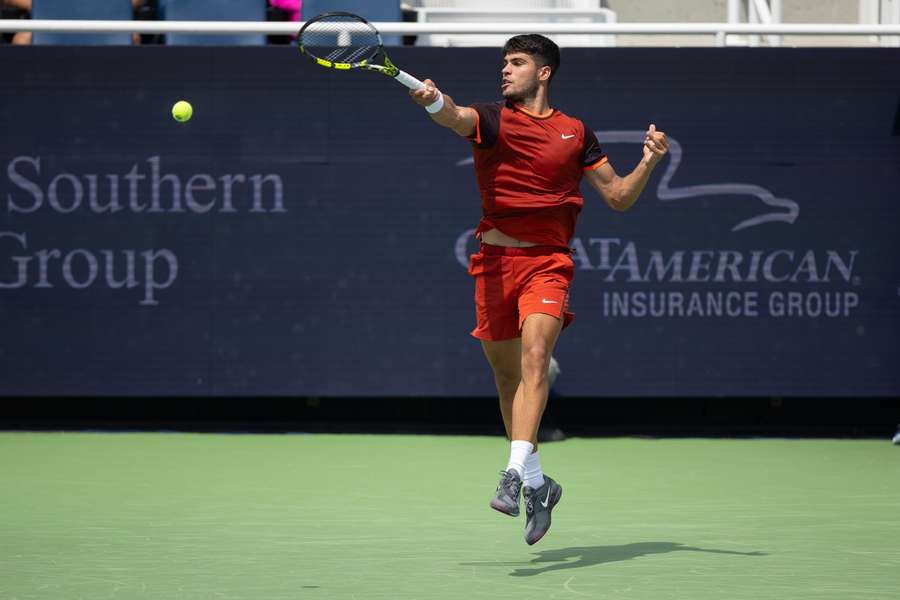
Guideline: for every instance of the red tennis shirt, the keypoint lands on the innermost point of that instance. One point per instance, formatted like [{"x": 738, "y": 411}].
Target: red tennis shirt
[{"x": 529, "y": 169}]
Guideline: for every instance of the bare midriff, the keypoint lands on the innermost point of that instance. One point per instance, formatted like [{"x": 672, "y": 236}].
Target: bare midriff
[{"x": 495, "y": 237}]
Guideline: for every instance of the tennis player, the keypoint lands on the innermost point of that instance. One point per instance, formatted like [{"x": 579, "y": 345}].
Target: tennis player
[{"x": 529, "y": 161}]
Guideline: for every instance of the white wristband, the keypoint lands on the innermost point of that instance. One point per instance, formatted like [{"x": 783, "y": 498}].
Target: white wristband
[{"x": 437, "y": 105}]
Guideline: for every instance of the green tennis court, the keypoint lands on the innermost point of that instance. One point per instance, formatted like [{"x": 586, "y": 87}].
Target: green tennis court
[{"x": 265, "y": 517}]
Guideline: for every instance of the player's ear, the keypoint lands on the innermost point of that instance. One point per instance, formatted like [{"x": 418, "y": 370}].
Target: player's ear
[{"x": 544, "y": 73}]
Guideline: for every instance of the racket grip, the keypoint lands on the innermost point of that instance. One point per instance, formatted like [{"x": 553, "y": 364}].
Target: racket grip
[
  {"x": 414, "y": 84},
  {"x": 409, "y": 81}
]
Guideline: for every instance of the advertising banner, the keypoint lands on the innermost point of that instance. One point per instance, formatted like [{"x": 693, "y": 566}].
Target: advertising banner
[{"x": 307, "y": 232}]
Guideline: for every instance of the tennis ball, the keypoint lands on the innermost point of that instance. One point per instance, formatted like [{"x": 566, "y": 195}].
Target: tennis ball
[{"x": 182, "y": 111}]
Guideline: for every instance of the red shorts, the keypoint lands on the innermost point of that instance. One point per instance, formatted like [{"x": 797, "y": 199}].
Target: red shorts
[{"x": 512, "y": 283}]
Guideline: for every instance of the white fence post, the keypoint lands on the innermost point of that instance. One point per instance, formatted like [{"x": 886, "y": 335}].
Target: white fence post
[
  {"x": 775, "y": 9},
  {"x": 753, "y": 17},
  {"x": 734, "y": 17},
  {"x": 758, "y": 12},
  {"x": 890, "y": 15}
]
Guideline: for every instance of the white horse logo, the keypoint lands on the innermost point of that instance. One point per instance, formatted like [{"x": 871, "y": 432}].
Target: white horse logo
[{"x": 787, "y": 212}]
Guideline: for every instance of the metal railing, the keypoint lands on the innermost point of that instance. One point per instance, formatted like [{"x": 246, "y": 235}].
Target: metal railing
[
  {"x": 719, "y": 30},
  {"x": 511, "y": 16}
]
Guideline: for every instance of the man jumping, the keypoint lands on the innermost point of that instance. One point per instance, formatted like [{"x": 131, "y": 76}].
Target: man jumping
[{"x": 529, "y": 161}]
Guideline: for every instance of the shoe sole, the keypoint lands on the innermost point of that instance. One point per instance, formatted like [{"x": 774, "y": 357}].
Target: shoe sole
[
  {"x": 500, "y": 507},
  {"x": 554, "y": 501}
]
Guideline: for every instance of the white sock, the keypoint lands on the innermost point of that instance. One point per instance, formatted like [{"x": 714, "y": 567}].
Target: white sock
[
  {"x": 518, "y": 453},
  {"x": 534, "y": 476}
]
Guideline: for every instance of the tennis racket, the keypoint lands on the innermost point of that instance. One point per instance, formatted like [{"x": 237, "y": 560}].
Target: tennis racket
[{"x": 344, "y": 41}]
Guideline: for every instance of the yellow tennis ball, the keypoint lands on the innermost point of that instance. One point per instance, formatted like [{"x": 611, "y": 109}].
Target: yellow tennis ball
[{"x": 182, "y": 111}]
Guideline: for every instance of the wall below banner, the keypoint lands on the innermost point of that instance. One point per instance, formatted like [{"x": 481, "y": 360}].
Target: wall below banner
[{"x": 306, "y": 233}]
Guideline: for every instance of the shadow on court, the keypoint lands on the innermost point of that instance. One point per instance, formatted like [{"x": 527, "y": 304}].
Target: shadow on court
[{"x": 578, "y": 557}]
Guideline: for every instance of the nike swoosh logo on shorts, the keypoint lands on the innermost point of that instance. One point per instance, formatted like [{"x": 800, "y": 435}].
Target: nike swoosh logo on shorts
[
  {"x": 547, "y": 499},
  {"x": 545, "y": 301},
  {"x": 567, "y": 137}
]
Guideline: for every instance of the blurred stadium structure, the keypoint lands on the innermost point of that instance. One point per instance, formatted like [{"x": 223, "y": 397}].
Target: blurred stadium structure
[{"x": 573, "y": 22}]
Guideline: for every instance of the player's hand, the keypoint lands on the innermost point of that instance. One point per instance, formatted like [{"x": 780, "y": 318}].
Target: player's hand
[
  {"x": 427, "y": 95},
  {"x": 655, "y": 145}
]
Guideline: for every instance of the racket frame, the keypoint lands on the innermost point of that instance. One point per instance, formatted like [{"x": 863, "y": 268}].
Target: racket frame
[{"x": 388, "y": 68}]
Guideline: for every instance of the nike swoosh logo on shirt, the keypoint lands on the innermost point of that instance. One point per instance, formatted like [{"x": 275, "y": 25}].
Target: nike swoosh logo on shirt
[
  {"x": 546, "y": 500},
  {"x": 567, "y": 137},
  {"x": 545, "y": 301}
]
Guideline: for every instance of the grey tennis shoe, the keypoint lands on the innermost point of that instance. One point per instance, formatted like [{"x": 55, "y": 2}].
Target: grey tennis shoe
[
  {"x": 506, "y": 500},
  {"x": 538, "y": 505}
]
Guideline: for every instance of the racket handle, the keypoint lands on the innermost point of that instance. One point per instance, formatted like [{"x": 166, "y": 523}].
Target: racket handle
[
  {"x": 414, "y": 84},
  {"x": 409, "y": 81}
]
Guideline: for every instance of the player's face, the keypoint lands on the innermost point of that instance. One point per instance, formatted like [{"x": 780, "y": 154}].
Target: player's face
[{"x": 520, "y": 76}]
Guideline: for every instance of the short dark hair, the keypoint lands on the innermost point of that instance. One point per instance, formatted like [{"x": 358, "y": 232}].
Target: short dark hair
[{"x": 543, "y": 49}]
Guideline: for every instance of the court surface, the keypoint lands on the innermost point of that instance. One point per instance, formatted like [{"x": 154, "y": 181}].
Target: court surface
[{"x": 169, "y": 516}]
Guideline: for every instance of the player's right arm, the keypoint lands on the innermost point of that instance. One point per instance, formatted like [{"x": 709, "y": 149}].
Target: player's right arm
[{"x": 461, "y": 119}]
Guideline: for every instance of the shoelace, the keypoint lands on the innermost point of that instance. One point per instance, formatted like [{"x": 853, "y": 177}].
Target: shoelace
[
  {"x": 529, "y": 501},
  {"x": 508, "y": 481}
]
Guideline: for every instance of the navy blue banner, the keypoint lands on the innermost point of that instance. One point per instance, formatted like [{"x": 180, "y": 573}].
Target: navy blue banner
[{"x": 306, "y": 232}]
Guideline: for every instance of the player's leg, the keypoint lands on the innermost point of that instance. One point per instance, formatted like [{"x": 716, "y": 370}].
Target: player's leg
[
  {"x": 541, "y": 493},
  {"x": 505, "y": 358},
  {"x": 543, "y": 306},
  {"x": 497, "y": 325},
  {"x": 539, "y": 334}
]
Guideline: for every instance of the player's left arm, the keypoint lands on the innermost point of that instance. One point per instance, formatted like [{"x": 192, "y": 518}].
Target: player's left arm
[{"x": 621, "y": 192}]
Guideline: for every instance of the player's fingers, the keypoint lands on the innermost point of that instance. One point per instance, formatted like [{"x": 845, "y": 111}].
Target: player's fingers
[
  {"x": 652, "y": 129},
  {"x": 654, "y": 147},
  {"x": 424, "y": 95},
  {"x": 656, "y": 136},
  {"x": 429, "y": 91}
]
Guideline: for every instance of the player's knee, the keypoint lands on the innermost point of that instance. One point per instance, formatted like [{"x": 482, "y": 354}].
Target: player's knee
[
  {"x": 507, "y": 376},
  {"x": 534, "y": 362}
]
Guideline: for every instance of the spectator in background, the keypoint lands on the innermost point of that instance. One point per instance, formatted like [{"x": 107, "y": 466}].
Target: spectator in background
[
  {"x": 24, "y": 37},
  {"x": 20, "y": 37},
  {"x": 291, "y": 8},
  {"x": 283, "y": 10}
]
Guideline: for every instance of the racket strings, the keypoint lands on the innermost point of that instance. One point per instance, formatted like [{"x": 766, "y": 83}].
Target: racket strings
[
  {"x": 340, "y": 38},
  {"x": 364, "y": 51},
  {"x": 335, "y": 54}
]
